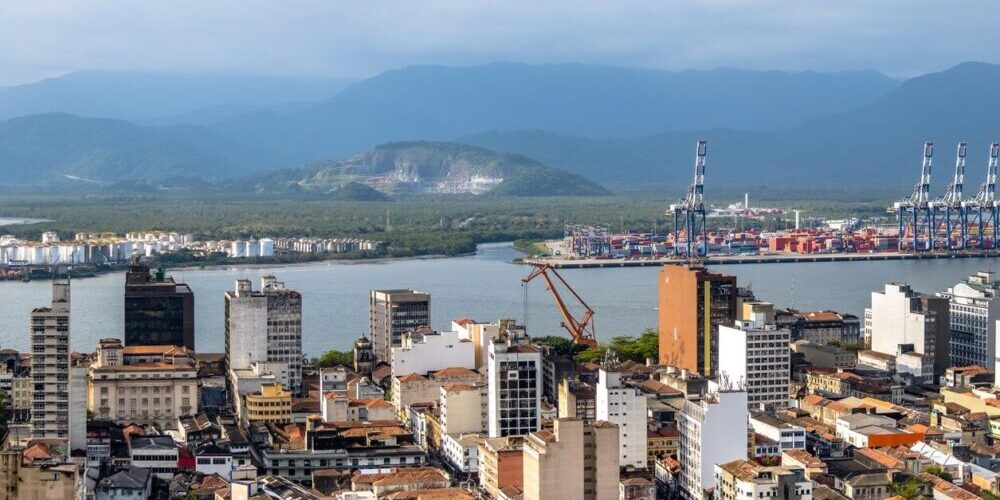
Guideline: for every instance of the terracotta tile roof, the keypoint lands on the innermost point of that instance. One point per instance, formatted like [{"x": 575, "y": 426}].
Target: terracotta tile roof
[
  {"x": 399, "y": 476},
  {"x": 410, "y": 377},
  {"x": 813, "y": 399},
  {"x": 454, "y": 371},
  {"x": 741, "y": 469},
  {"x": 432, "y": 494},
  {"x": 153, "y": 350},
  {"x": 880, "y": 458},
  {"x": 458, "y": 387},
  {"x": 805, "y": 458},
  {"x": 37, "y": 451},
  {"x": 821, "y": 316}
]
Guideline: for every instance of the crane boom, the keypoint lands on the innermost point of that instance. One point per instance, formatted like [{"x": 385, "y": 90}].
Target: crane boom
[{"x": 581, "y": 330}]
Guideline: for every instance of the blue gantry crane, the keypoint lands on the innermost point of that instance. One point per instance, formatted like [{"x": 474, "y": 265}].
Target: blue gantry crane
[
  {"x": 689, "y": 212},
  {"x": 948, "y": 211},
  {"x": 915, "y": 212},
  {"x": 981, "y": 211}
]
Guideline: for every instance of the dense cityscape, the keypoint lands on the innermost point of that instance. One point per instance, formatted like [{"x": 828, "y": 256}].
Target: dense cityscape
[
  {"x": 735, "y": 397},
  {"x": 482, "y": 250}
]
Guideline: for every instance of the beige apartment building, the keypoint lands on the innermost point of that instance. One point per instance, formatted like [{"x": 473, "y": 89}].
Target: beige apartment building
[
  {"x": 501, "y": 465},
  {"x": 272, "y": 404},
  {"x": 126, "y": 388},
  {"x": 574, "y": 461}
]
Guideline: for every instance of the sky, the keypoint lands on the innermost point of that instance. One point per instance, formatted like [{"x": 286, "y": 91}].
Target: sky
[{"x": 356, "y": 39}]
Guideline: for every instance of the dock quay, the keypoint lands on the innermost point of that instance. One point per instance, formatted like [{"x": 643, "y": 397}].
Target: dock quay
[{"x": 564, "y": 263}]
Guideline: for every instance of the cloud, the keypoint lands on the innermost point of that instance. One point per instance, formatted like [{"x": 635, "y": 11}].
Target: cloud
[{"x": 358, "y": 38}]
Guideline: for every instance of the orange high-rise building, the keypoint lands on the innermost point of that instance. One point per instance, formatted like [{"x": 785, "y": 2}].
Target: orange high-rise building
[{"x": 693, "y": 302}]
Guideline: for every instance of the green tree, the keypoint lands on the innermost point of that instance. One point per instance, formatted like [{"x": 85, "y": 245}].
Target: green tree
[
  {"x": 561, "y": 345},
  {"x": 936, "y": 470},
  {"x": 335, "y": 358},
  {"x": 910, "y": 489}
]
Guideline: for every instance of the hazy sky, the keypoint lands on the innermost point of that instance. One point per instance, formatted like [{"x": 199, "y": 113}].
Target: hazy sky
[{"x": 341, "y": 38}]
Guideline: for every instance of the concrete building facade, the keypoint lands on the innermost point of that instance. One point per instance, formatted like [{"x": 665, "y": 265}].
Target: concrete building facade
[
  {"x": 574, "y": 461},
  {"x": 50, "y": 344},
  {"x": 973, "y": 314},
  {"x": 625, "y": 407},
  {"x": 693, "y": 302},
  {"x": 126, "y": 390},
  {"x": 392, "y": 312},
  {"x": 713, "y": 430},
  {"x": 756, "y": 356},
  {"x": 265, "y": 327},
  {"x": 900, "y": 316},
  {"x": 514, "y": 378}
]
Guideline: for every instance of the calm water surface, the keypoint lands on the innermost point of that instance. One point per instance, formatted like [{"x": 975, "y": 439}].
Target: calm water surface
[{"x": 485, "y": 286}]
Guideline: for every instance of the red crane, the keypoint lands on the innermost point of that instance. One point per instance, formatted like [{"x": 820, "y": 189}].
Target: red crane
[{"x": 581, "y": 330}]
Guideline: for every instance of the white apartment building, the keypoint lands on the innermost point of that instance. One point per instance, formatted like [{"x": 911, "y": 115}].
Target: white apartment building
[
  {"x": 128, "y": 389},
  {"x": 158, "y": 454},
  {"x": 265, "y": 326},
  {"x": 626, "y": 407},
  {"x": 50, "y": 410},
  {"x": 786, "y": 435},
  {"x": 514, "y": 378},
  {"x": 974, "y": 310},
  {"x": 425, "y": 350},
  {"x": 899, "y": 316},
  {"x": 713, "y": 431},
  {"x": 756, "y": 356},
  {"x": 462, "y": 451}
]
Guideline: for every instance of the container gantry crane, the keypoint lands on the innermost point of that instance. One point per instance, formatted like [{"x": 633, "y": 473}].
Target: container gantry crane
[
  {"x": 951, "y": 209},
  {"x": 981, "y": 210},
  {"x": 915, "y": 212},
  {"x": 689, "y": 212},
  {"x": 581, "y": 330}
]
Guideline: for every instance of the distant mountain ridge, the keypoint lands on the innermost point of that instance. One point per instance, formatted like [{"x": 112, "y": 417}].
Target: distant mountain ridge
[
  {"x": 145, "y": 96},
  {"x": 440, "y": 103},
  {"x": 554, "y": 115}
]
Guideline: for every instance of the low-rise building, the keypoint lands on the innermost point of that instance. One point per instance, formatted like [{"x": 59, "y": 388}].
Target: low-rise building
[
  {"x": 158, "y": 454},
  {"x": 824, "y": 356},
  {"x": 500, "y": 465},
  {"x": 272, "y": 404},
  {"x": 424, "y": 350},
  {"x": 154, "y": 388},
  {"x": 127, "y": 484},
  {"x": 741, "y": 479}
]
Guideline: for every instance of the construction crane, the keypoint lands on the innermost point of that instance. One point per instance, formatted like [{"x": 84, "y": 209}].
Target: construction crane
[
  {"x": 982, "y": 209},
  {"x": 915, "y": 211},
  {"x": 581, "y": 330},
  {"x": 951, "y": 208},
  {"x": 689, "y": 212}
]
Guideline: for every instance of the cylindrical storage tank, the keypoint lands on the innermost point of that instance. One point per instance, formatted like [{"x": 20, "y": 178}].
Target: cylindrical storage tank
[{"x": 266, "y": 247}]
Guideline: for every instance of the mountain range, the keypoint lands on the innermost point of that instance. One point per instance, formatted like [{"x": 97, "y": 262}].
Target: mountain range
[{"x": 617, "y": 126}]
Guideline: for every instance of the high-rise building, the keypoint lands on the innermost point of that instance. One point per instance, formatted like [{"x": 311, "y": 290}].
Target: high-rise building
[
  {"x": 50, "y": 366},
  {"x": 265, "y": 327},
  {"x": 514, "y": 378},
  {"x": 392, "y": 312},
  {"x": 693, "y": 302},
  {"x": 713, "y": 431},
  {"x": 625, "y": 407},
  {"x": 756, "y": 355},
  {"x": 973, "y": 314},
  {"x": 899, "y": 316},
  {"x": 573, "y": 461},
  {"x": 158, "y": 310}
]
